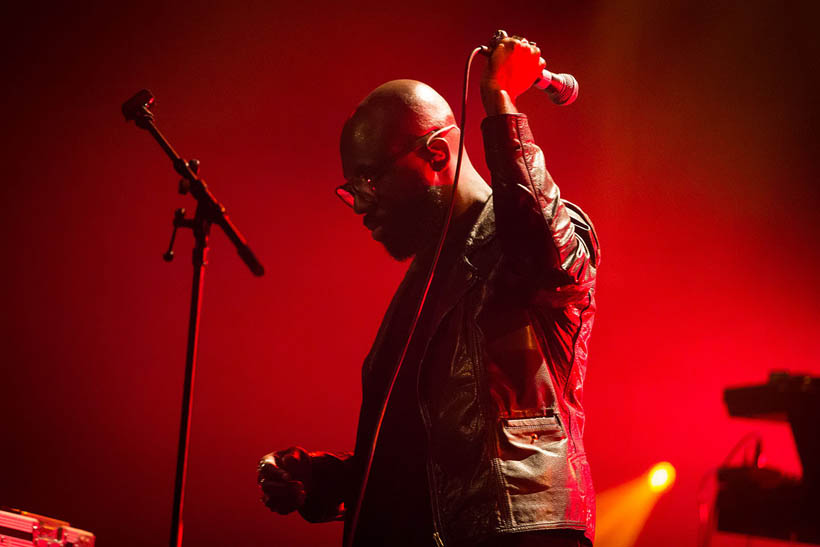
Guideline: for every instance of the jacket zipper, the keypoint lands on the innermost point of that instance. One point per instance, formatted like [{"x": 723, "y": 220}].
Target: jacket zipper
[{"x": 430, "y": 479}]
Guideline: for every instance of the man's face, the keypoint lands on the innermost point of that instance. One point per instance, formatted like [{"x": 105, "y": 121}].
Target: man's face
[
  {"x": 407, "y": 211},
  {"x": 406, "y": 219}
]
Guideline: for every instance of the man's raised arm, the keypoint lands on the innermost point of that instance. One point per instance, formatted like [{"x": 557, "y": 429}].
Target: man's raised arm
[{"x": 536, "y": 228}]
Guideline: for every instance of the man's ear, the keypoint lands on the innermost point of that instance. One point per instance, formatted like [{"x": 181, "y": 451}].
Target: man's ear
[{"x": 438, "y": 151}]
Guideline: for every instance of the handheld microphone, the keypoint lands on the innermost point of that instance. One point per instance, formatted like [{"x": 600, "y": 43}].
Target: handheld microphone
[{"x": 562, "y": 89}]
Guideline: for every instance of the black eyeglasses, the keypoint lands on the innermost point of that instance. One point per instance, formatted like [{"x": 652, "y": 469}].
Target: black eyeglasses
[{"x": 364, "y": 188}]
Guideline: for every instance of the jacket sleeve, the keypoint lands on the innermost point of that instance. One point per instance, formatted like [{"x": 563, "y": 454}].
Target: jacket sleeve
[
  {"x": 330, "y": 476},
  {"x": 548, "y": 243}
]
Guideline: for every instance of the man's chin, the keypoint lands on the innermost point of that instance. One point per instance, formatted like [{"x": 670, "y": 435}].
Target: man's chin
[
  {"x": 397, "y": 247},
  {"x": 397, "y": 252},
  {"x": 378, "y": 233}
]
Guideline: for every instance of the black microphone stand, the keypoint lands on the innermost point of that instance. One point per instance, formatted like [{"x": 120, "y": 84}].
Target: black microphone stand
[{"x": 208, "y": 211}]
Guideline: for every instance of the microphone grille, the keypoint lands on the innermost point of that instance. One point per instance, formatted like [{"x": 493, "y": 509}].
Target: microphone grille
[{"x": 563, "y": 89}]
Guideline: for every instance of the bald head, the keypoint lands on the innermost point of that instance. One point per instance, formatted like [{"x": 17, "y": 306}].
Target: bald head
[
  {"x": 401, "y": 184},
  {"x": 393, "y": 115}
]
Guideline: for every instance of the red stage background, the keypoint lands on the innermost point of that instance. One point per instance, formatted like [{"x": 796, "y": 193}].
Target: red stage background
[{"x": 690, "y": 147}]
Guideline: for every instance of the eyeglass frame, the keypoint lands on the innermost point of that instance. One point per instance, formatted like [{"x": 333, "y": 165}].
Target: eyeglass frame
[{"x": 365, "y": 187}]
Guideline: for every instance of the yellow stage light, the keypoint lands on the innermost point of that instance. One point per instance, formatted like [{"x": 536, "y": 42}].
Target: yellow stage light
[
  {"x": 623, "y": 510},
  {"x": 661, "y": 477}
]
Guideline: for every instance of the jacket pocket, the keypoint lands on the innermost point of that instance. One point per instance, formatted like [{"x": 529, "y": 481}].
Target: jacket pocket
[
  {"x": 532, "y": 425},
  {"x": 534, "y": 469},
  {"x": 523, "y": 437}
]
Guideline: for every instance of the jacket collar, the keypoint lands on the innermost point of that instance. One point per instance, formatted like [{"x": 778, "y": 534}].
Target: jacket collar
[
  {"x": 473, "y": 262},
  {"x": 481, "y": 235}
]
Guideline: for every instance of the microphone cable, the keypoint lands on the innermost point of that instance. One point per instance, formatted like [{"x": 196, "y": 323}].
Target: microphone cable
[{"x": 372, "y": 451}]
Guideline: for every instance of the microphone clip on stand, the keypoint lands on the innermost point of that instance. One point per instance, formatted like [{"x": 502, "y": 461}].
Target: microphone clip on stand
[{"x": 208, "y": 212}]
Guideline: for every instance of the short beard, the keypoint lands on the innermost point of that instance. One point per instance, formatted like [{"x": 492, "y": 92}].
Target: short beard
[{"x": 416, "y": 224}]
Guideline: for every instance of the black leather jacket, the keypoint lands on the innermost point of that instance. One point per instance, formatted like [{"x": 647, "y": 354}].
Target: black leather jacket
[{"x": 501, "y": 399}]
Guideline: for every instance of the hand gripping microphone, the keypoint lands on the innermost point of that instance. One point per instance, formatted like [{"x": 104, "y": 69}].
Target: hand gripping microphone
[{"x": 562, "y": 89}]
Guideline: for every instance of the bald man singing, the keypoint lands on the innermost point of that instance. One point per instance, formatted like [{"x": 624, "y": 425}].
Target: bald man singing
[{"x": 482, "y": 439}]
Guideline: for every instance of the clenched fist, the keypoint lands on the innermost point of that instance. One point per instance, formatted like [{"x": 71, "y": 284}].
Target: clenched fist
[
  {"x": 284, "y": 478},
  {"x": 514, "y": 66}
]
